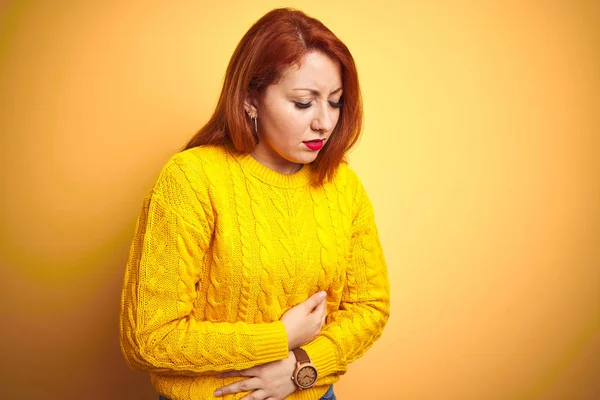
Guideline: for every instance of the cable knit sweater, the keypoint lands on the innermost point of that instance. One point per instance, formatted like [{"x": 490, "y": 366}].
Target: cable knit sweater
[{"x": 223, "y": 247}]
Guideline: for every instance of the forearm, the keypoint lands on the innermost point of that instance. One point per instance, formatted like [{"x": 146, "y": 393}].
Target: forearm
[
  {"x": 189, "y": 346},
  {"x": 348, "y": 334}
]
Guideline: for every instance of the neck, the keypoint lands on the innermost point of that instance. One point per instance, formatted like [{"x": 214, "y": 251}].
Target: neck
[{"x": 286, "y": 168}]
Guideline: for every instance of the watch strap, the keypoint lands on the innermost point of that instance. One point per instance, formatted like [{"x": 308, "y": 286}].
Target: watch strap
[{"x": 301, "y": 355}]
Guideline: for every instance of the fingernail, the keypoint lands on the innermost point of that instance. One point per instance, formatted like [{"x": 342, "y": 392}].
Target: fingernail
[
  {"x": 322, "y": 294},
  {"x": 218, "y": 393}
]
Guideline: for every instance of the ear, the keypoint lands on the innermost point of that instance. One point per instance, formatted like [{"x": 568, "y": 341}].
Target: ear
[{"x": 250, "y": 107}]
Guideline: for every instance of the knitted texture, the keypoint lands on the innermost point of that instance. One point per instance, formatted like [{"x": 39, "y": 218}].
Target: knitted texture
[{"x": 223, "y": 247}]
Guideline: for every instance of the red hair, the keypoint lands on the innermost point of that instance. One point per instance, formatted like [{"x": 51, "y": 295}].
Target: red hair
[{"x": 280, "y": 38}]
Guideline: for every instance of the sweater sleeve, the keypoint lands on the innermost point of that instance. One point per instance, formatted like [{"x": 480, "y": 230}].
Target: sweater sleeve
[
  {"x": 364, "y": 310},
  {"x": 158, "y": 329}
]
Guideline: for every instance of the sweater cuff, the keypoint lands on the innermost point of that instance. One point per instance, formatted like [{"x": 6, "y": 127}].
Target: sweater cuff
[
  {"x": 271, "y": 341},
  {"x": 323, "y": 354}
]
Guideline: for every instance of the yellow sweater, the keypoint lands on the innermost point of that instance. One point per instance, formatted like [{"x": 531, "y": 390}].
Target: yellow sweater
[{"x": 223, "y": 247}]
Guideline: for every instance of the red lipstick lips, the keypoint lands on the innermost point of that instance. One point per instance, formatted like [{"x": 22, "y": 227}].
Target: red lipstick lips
[{"x": 314, "y": 144}]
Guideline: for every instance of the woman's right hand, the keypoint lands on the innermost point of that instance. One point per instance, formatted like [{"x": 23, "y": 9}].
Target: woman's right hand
[{"x": 304, "y": 321}]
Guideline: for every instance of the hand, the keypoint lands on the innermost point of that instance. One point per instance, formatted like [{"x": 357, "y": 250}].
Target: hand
[
  {"x": 268, "y": 381},
  {"x": 304, "y": 321}
]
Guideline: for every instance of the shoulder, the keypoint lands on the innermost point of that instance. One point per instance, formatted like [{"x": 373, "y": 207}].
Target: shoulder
[
  {"x": 346, "y": 180},
  {"x": 183, "y": 187},
  {"x": 191, "y": 166},
  {"x": 198, "y": 159},
  {"x": 185, "y": 178},
  {"x": 348, "y": 184}
]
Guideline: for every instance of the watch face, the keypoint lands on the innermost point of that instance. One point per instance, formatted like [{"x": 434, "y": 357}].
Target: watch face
[{"x": 307, "y": 376}]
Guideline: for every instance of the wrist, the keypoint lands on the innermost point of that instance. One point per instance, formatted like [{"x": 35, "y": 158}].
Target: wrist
[
  {"x": 305, "y": 373},
  {"x": 292, "y": 361},
  {"x": 291, "y": 340}
]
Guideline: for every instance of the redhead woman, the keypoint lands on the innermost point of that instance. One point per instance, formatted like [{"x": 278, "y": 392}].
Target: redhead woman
[{"x": 256, "y": 270}]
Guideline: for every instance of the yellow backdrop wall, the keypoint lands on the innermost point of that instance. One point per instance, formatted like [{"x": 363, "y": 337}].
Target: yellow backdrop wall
[{"x": 480, "y": 153}]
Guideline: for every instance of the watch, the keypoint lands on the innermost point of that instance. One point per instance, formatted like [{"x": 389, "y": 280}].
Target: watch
[{"x": 305, "y": 374}]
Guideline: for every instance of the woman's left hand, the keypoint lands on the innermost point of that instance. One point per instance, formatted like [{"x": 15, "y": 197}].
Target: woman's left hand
[{"x": 269, "y": 381}]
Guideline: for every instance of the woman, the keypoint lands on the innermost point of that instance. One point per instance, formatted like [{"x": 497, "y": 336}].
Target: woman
[{"x": 256, "y": 270}]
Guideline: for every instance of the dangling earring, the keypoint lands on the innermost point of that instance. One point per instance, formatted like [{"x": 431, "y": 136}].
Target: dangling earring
[{"x": 255, "y": 120}]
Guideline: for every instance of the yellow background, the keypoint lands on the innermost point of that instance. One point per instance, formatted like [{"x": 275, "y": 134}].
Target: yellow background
[{"x": 480, "y": 153}]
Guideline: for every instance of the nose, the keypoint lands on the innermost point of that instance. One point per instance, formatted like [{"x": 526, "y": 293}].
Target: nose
[{"x": 323, "y": 121}]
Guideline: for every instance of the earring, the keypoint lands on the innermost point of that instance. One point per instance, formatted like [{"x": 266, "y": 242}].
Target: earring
[{"x": 255, "y": 120}]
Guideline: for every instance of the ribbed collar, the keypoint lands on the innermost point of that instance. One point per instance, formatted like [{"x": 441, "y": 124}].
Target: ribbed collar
[{"x": 302, "y": 177}]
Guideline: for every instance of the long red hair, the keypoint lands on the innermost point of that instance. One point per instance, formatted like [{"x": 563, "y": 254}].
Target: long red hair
[{"x": 280, "y": 38}]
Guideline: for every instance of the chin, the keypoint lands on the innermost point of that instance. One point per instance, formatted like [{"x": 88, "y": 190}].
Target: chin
[
  {"x": 299, "y": 157},
  {"x": 305, "y": 160}
]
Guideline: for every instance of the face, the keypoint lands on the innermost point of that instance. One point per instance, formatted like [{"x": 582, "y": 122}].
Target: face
[{"x": 297, "y": 115}]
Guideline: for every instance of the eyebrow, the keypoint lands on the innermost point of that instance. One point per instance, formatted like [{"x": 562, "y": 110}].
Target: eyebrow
[{"x": 316, "y": 92}]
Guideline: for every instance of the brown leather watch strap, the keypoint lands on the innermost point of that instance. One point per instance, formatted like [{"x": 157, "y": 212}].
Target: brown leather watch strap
[{"x": 301, "y": 355}]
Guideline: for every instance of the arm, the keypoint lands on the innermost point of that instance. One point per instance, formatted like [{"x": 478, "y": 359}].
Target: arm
[
  {"x": 158, "y": 330},
  {"x": 364, "y": 310}
]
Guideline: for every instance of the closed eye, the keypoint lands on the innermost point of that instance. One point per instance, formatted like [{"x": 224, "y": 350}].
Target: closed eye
[
  {"x": 302, "y": 105},
  {"x": 309, "y": 104}
]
